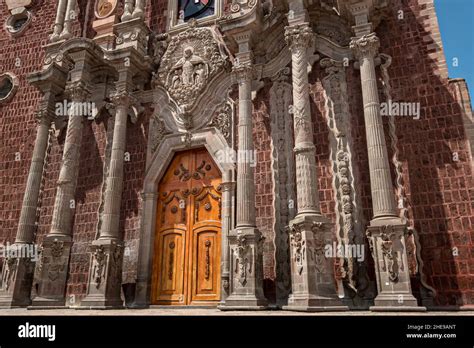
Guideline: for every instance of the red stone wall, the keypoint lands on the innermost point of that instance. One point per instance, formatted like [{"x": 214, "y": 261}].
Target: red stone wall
[{"x": 20, "y": 56}]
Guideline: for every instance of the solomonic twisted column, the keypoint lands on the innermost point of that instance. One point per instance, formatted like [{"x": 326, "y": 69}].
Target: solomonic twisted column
[
  {"x": 386, "y": 231},
  {"x": 105, "y": 274},
  {"x": 246, "y": 243},
  {"x": 57, "y": 244},
  {"x": 313, "y": 287}
]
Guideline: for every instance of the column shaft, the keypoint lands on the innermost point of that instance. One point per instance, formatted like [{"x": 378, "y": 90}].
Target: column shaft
[
  {"x": 139, "y": 11},
  {"x": 27, "y": 224},
  {"x": 383, "y": 199},
  {"x": 71, "y": 15},
  {"x": 245, "y": 171},
  {"x": 59, "y": 22},
  {"x": 299, "y": 38},
  {"x": 64, "y": 204},
  {"x": 114, "y": 185},
  {"x": 127, "y": 10}
]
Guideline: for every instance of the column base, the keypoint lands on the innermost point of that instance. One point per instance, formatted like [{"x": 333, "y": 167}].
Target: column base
[
  {"x": 48, "y": 303},
  {"x": 54, "y": 264},
  {"x": 247, "y": 277},
  {"x": 17, "y": 280},
  {"x": 312, "y": 273},
  {"x": 243, "y": 303},
  {"x": 387, "y": 241},
  {"x": 105, "y": 276},
  {"x": 100, "y": 303},
  {"x": 308, "y": 303},
  {"x": 390, "y": 303}
]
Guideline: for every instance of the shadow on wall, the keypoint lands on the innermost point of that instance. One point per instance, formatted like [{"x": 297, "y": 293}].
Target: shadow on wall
[{"x": 437, "y": 184}]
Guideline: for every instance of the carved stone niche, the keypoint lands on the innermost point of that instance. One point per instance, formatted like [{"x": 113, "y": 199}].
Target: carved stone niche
[{"x": 193, "y": 59}]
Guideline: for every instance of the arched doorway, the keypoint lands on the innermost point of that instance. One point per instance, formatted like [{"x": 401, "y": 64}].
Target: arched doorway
[{"x": 187, "y": 248}]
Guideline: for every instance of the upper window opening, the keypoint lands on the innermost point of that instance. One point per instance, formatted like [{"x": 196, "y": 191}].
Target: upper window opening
[{"x": 195, "y": 9}]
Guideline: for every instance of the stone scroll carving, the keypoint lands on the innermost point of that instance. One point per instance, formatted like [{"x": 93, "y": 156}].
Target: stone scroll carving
[
  {"x": 348, "y": 215},
  {"x": 284, "y": 204}
]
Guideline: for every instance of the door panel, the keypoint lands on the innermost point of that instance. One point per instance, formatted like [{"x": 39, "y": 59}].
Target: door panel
[
  {"x": 186, "y": 267},
  {"x": 206, "y": 266}
]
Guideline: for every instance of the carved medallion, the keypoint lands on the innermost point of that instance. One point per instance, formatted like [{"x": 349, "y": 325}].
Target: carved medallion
[{"x": 104, "y": 8}]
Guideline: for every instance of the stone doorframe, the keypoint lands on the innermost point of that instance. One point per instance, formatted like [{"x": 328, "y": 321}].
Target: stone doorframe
[{"x": 215, "y": 143}]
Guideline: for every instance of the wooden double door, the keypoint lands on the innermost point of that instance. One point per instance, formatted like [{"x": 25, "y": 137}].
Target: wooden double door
[{"x": 186, "y": 267}]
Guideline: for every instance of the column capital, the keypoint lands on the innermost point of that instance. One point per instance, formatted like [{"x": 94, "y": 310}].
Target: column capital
[
  {"x": 78, "y": 91},
  {"x": 366, "y": 46},
  {"x": 121, "y": 98},
  {"x": 243, "y": 72},
  {"x": 299, "y": 36}
]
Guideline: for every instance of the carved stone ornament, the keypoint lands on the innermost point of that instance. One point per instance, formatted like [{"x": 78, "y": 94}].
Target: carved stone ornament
[
  {"x": 104, "y": 8},
  {"x": 299, "y": 246},
  {"x": 222, "y": 120},
  {"x": 365, "y": 46},
  {"x": 192, "y": 60}
]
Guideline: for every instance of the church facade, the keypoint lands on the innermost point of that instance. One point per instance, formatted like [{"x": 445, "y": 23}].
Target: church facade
[{"x": 240, "y": 154}]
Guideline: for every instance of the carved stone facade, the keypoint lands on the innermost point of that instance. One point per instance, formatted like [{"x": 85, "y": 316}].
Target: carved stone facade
[{"x": 309, "y": 223}]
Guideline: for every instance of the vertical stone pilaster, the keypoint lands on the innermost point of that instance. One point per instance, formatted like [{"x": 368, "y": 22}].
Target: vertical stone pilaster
[
  {"x": 313, "y": 284},
  {"x": 246, "y": 242},
  {"x": 57, "y": 244},
  {"x": 228, "y": 189},
  {"x": 386, "y": 231}
]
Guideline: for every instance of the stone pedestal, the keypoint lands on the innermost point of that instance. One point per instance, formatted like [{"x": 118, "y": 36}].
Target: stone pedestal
[
  {"x": 105, "y": 276},
  {"x": 52, "y": 272},
  {"x": 246, "y": 277},
  {"x": 312, "y": 273},
  {"x": 15, "y": 285},
  {"x": 387, "y": 244},
  {"x": 105, "y": 31}
]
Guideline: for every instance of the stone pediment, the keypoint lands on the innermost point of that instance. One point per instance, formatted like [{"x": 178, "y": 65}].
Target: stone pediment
[{"x": 192, "y": 60}]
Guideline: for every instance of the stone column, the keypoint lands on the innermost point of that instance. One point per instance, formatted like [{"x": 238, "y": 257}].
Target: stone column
[
  {"x": 17, "y": 274},
  {"x": 386, "y": 231},
  {"x": 59, "y": 22},
  {"x": 105, "y": 274},
  {"x": 127, "y": 10},
  {"x": 71, "y": 15},
  {"x": 228, "y": 188},
  {"x": 246, "y": 241},
  {"x": 313, "y": 283},
  {"x": 57, "y": 244},
  {"x": 139, "y": 11}
]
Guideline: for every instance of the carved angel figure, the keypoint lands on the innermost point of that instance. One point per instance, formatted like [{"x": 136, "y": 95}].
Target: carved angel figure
[{"x": 194, "y": 70}]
